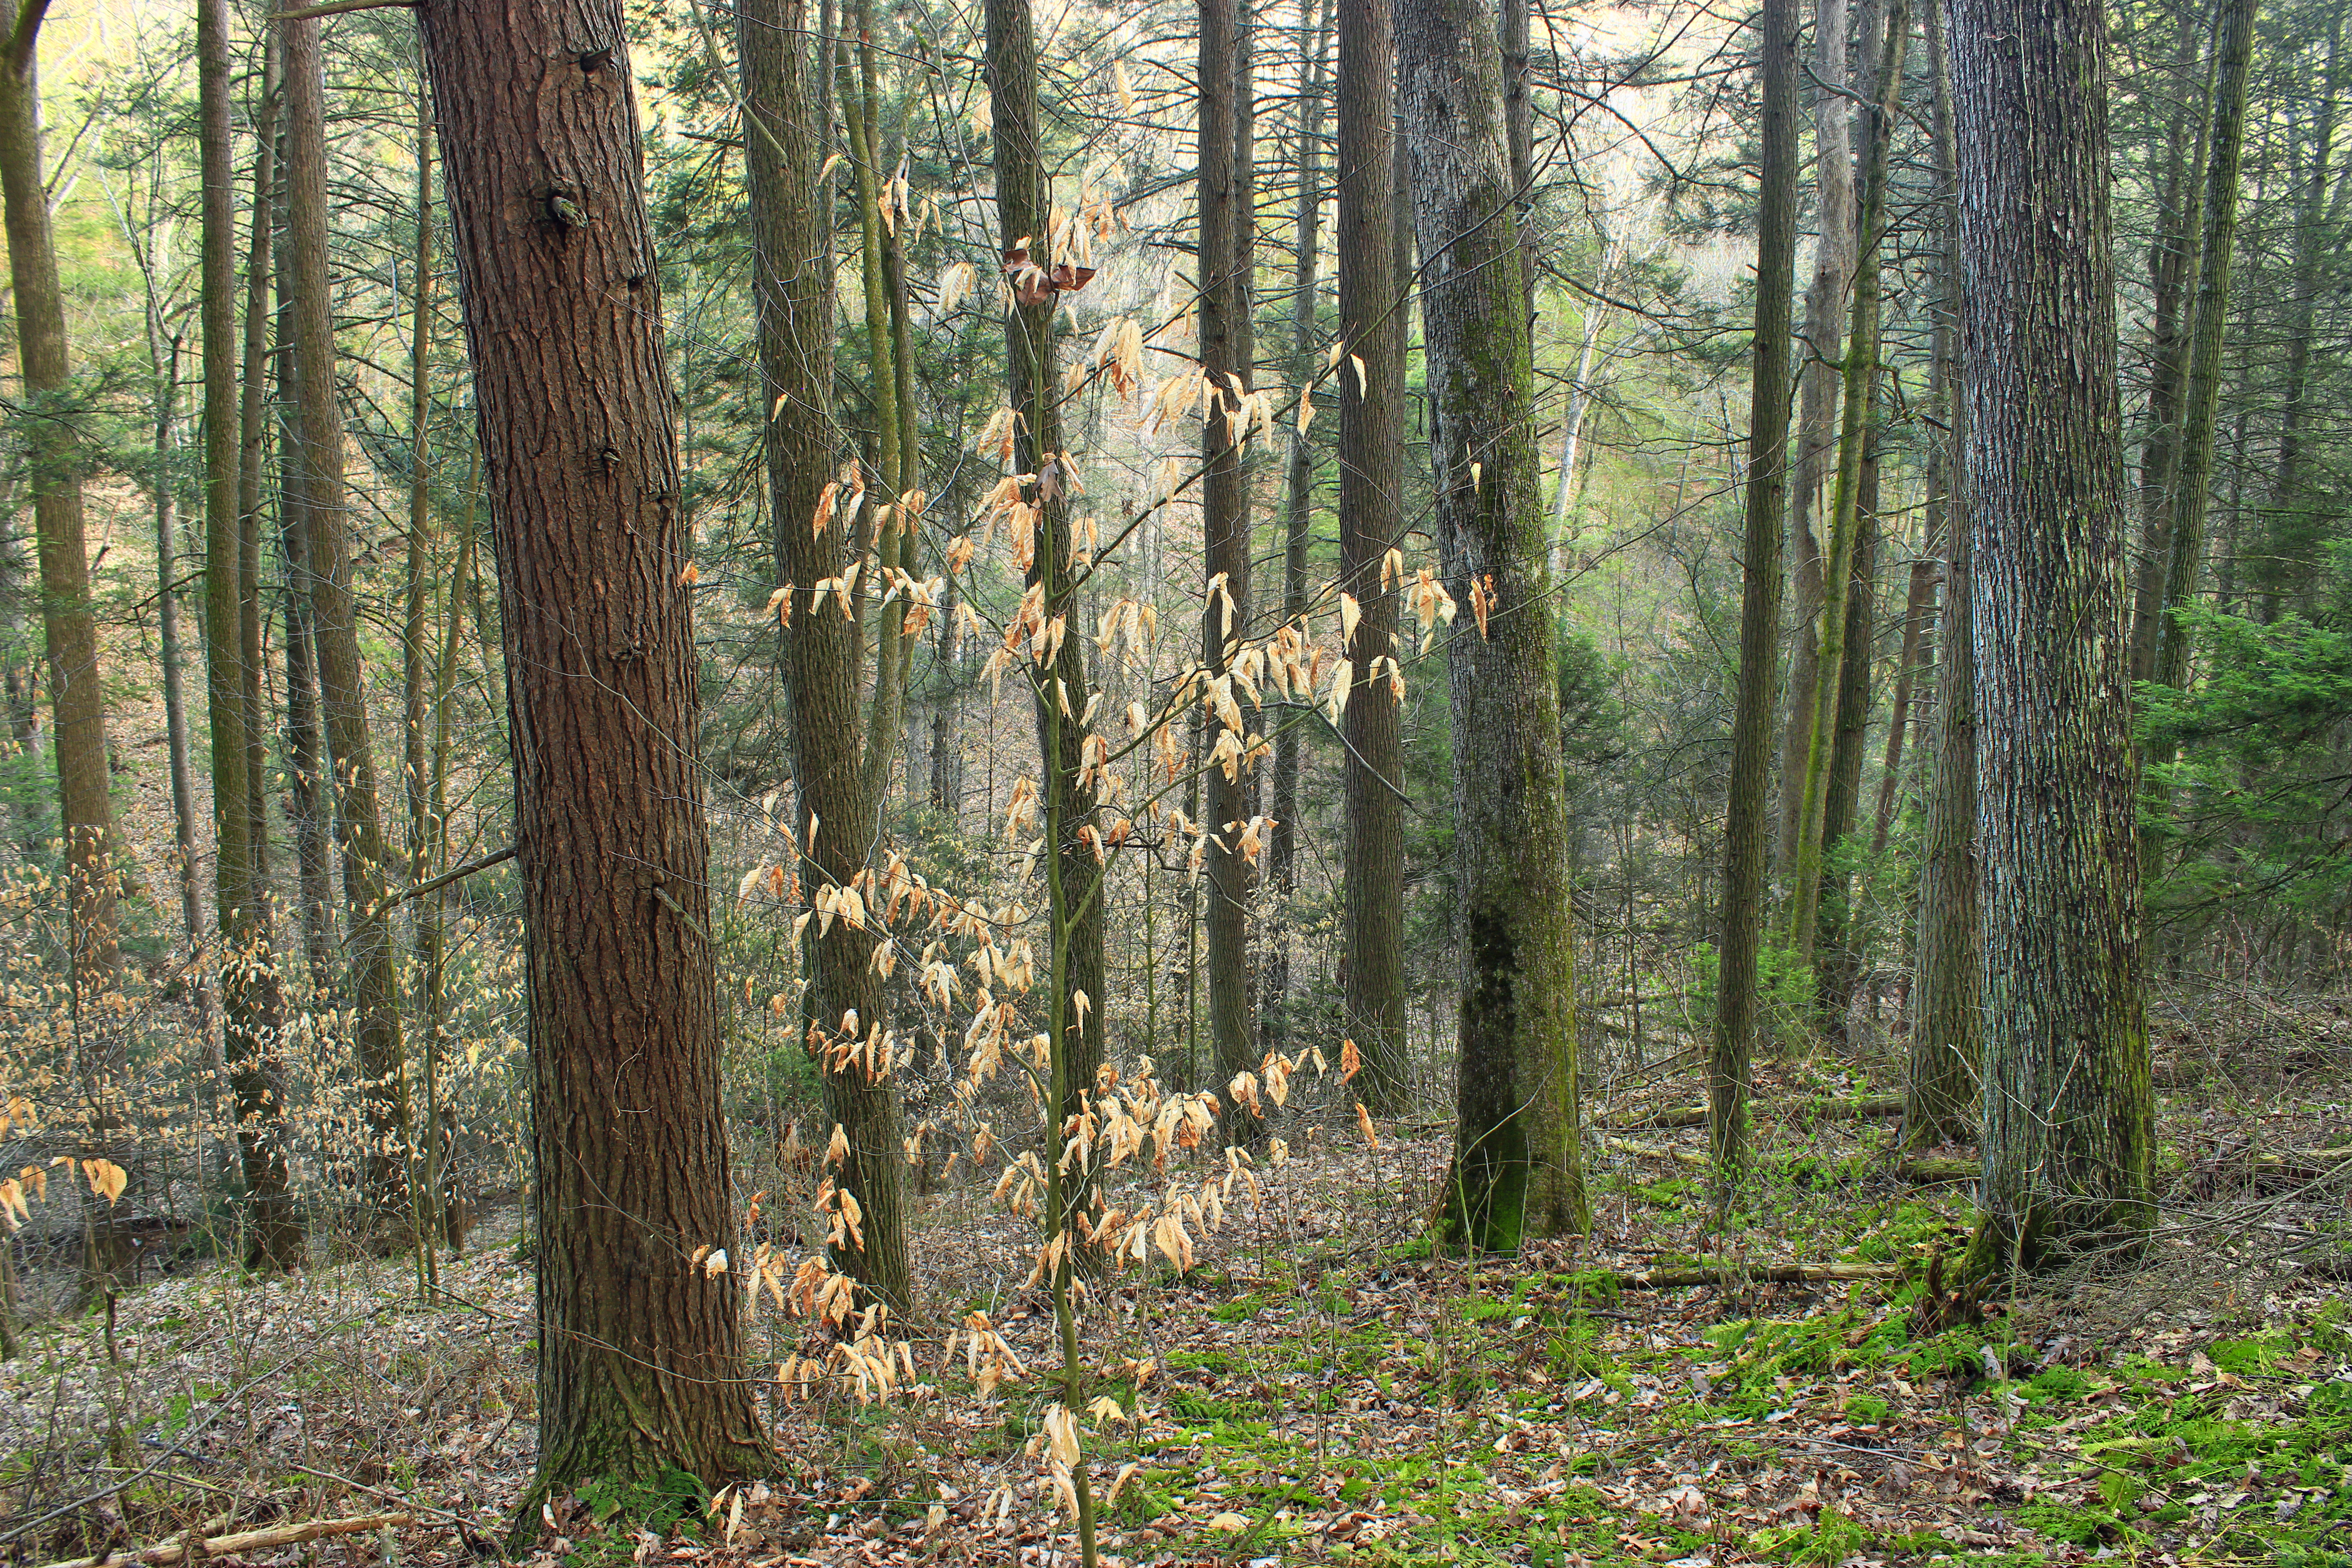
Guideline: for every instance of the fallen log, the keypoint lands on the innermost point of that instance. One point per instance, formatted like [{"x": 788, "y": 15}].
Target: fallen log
[
  {"x": 1746, "y": 1274},
  {"x": 1930, "y": 1170},
  {"x": 1802, "y": 1111},
  {"x": 1655, "y": 1151},
  {"x": 249, "y": 1540}
]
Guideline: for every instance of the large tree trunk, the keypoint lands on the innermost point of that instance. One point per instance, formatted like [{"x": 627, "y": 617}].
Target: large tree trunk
[
  {"x": 248, "y": 966},
  {"x": 1518, "y": 1171},
  {"x": 343, "y": 688},
  {"x": 54, "y": 461},
  {"x": 2185, "y": 562},
  {"x": 640, "y": 1366},
  {"x": 1371, "y": 523},
  {"x": 2068, "y": 1122},
  {"x": 1747, "y": 824},
  {"x": 1225, "y": 531},
  {"x": 1024, "y": 210},
  {"x": 793, "y": 289}
]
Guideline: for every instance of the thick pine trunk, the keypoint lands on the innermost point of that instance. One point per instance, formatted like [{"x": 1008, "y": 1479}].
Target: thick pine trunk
[
  {"x": 335, "y": 624},
  {"x": 247, "y": 966},
  {"x": 640, "y": 1366},
  {"x": 2068, "y": 1125},
  {"x": 1371, "y": 522},
  {"x": 793, "y": 291},
  {"x": 1747, "y": 827},
  {"x": 1518, "y": 1171}
]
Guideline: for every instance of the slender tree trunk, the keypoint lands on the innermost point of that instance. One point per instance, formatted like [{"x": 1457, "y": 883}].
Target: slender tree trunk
[
  {"x": 2295, "y": 533},
  {"x": 795, "y": 301},
  {"x": 1825, "y": 307},
  {"x": 248, "y": 968},
  {"x": 1371, "y": 523},
  {"x": 342, "y": 689},
  {"x": 2068, "y": 1125},
  {"x": 1747, "y": 824},
  {"x": 2200, "y": 407},
  {"x": 165, "y": 356},
  {"x": 253, "y": 458},
  {"x": 2172, "y": 268},
  {"x": 640, "y": 1366},
  {"x": 1845, "y": 523},
  {"x": 1226, "y": 529},
  {"x": 1919, "y": 609},
  {"x": 1298, "y": 505},
  {"x": 419, "y": 699},
  {"x": 1518, "y": 1171},
  {"x": 77, "y": 701},
  {"x": 1023, "y": 209}
]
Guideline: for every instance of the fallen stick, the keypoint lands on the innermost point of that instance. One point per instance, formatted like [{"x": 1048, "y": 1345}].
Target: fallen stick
[
  {"x": 1802, "y": 1111},
  {"x": 250, "y": 1541}
]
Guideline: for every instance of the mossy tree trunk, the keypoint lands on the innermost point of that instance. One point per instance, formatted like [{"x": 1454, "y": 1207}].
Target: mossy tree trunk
[
  {"x": 1517, "y": 1169},
  {"x": 2068, "y": 1125}
]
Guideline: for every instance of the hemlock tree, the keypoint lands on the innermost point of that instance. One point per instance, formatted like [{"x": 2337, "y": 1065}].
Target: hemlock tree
[
  {"x": 1517, "y": 1169},
  {"x": 2068, "y": 1119},
  {"x": 1747, "y": 824},
  {"x": 640, "y": 1369}
]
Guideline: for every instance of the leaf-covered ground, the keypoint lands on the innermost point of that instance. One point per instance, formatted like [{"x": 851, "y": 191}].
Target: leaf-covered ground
[{"x": 1321, "y": 1389}]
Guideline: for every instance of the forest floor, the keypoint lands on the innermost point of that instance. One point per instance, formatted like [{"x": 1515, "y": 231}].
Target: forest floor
[{"x": 1321, "y": 1389}]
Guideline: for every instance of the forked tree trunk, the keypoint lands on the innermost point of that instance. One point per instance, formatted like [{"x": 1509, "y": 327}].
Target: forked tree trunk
[
  {"x": 250, "y": 1002},
  {"x": 1747, "y": 821},
  {"x": 343, "y": 688},
  {"x": 1518, "y": 1171},
  {"x": 2068, "y": 1125},
  {"x": 1371, "y": 522},
  {"x": 1826, "y": 308},
  {"x": 795, "y": 301},
  {"x": 640, "y": 1367}
]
